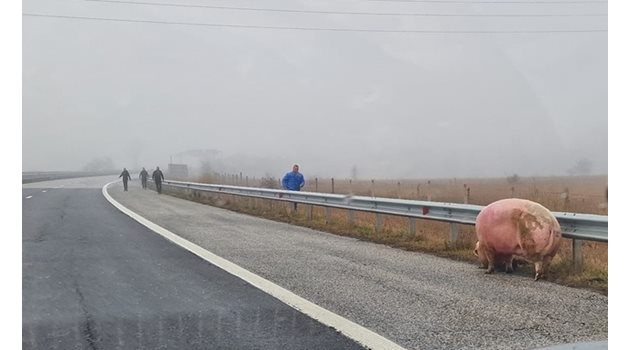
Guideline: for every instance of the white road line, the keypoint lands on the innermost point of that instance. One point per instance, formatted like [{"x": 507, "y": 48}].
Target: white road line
[
  {"x": 350, "y": 329},
  {"x": 29, "y": 197},
  {"x": 44, "y": 191}
]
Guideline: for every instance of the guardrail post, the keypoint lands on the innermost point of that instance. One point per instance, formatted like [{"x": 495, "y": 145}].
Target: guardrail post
[
  {"x": 350, "y": 217},
  {"x": 412, "y": 227},
  {"x": 578, "y": 259},
  {"x": 327, "y": 215},
  {"x": 332, "y": 184},
  {"x": 378, "y": 227},
  {"x": 372, "y": 188},
  {"x": 310, "y": 213},
  {"x": 454, "y": 233}
]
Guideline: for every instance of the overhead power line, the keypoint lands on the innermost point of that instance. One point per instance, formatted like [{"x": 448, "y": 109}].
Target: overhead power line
[
  {"x": 246, "y": 26},
  {"x": 343, "y": 12}
]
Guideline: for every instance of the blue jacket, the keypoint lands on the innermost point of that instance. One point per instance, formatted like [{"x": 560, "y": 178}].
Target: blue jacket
[{"x": 293, "y": 181}]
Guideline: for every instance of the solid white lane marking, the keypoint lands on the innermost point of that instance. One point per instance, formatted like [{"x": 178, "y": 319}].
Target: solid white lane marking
[
  {"x": 348, "y": 328},
  {"x": 44, "y": 191},
  {"x": 29, "y": 197}
]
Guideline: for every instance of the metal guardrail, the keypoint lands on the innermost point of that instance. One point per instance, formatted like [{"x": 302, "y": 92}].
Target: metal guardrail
[
  {"x": 39, "y": 176},
  {"x": 574, "y": 226}
]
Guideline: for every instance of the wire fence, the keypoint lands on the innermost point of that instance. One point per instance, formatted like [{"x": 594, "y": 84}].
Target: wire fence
[{"x": 578, "y": 194}]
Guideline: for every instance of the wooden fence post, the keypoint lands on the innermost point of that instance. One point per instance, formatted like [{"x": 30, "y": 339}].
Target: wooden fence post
[
  {"x": 350, "y": 212},
  {"x": 466, "y": 193},
  {"x": 372, "y": 188},
  {"x": 565, "y": 197}
]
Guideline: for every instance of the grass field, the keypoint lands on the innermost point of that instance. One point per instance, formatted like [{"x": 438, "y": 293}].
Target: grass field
[{"x": 585, "y": 194}]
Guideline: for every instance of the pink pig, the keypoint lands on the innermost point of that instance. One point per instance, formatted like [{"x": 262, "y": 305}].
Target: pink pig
[{"x": 517, "y": 227}]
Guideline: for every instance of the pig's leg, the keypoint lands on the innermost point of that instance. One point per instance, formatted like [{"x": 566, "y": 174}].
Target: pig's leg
[
  {"x": 514, "y": 264},
  {"x": 541, "y": 267},
  {"x": 509, "y": 261},
  {"x": 540, "y": 271},
  {"x": 479, "y": 253},
  {"x": 491, "y": 260}
]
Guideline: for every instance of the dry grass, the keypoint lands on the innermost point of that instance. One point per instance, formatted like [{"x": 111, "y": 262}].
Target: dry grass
[
  {"x": 584, "y": 194},
  {"x": 573, "y": 194}
]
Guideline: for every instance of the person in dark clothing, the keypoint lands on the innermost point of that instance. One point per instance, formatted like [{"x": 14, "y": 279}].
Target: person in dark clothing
[
  {"x": 157, "y": 178},
  {"x": 144, "y": 175},
  {"x": 125, "y": 177}
]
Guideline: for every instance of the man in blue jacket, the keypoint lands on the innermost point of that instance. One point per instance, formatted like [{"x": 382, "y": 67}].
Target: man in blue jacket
[{"x": 293, "y": 181}]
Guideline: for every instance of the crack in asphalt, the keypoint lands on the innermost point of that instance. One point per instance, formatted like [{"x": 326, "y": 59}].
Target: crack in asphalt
[{"x": 89, "y": 327}]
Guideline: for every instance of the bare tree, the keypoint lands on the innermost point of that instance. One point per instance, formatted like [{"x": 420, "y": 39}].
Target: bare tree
[
  {"x": 99, "y": 164},
  {"x": 582, "y": 167}
]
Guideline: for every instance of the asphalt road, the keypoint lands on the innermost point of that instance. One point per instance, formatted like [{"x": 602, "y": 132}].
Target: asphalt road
[
  {"x": 416, "y": 300},
  {"x": 93, "y": 278}
]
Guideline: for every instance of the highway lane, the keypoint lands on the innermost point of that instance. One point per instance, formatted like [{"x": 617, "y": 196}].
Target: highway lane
[
  {"x": 416, "y": 300},
  {"x": 95, "y": 279}
]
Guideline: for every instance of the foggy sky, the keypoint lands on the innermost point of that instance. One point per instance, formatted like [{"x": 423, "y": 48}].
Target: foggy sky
[{"x": 409, "y": 105}]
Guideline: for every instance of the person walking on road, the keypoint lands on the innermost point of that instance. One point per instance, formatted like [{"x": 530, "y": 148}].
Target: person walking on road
[
  {"x": 293, "y": 181},
  {"x": 125, "y": 177},
  {"x": 157, "y": 178},
  {"x": 144, "y": 175}
]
